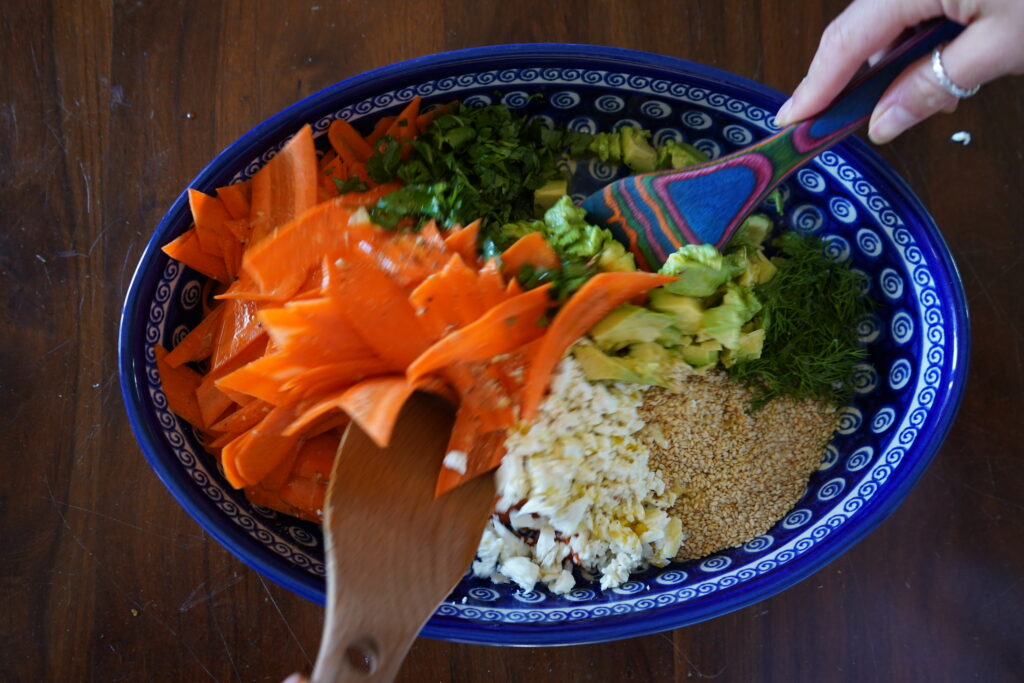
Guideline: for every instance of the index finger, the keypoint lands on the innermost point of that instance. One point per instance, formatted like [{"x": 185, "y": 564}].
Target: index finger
[{"x": 861, "y": 30}]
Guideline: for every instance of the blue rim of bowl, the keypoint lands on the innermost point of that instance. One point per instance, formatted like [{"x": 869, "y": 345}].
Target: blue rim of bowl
[{"x": 250, "y": 145}]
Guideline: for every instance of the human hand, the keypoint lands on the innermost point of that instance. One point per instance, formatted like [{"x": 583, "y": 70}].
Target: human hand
[{"x": 990, "y": 46}]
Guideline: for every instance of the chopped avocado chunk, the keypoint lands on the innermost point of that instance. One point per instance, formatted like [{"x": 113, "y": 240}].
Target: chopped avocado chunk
[
  {"x": 701, "y": 270},
  {"x": 675, "y": 154},
  {"x": 637, "y": 153},
  {"x": 687, "y": 310},
  {"x": 505, "y": 236},
  {"x": 568, "y": 233},
  {"x": 629, "y": 324},
  {"x": 753, "y": 231},
  {"x": 671, "y": 337},
  {"x": 704, "y": 353},
  {"x": 598, "y": 365},
  {"x": 614, "y": 257},
  {"x": 545, "y": 196}
]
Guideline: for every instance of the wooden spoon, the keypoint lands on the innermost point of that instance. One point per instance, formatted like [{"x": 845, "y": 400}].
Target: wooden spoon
[
  {"x": 656, "y": 213},
  {"x": 393, "y": 550}
]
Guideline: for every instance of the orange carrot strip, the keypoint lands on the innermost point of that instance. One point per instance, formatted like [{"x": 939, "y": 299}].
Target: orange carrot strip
[
  {"x": 461, "y": 279},
  {"x": 198, "y": 344},
  {"x": 239, "y": 328},
  {"x": 377, "y": 308},
  {"x": 513, "y": 288},
  {"x": 236, "y": 198},
  {"x": 404, "y": 127},
  {"x": 320, "y": 379},
  {"x": 258, "y": 451},
  {"x": 329, "y": 158},
  {"x": 262, "y": 378},
  {"x": 505, "y": 327},
  {"x": 187, "y": 250},
  {"x": 281, "y": 264},
  {"x": 325, "y": 424},
  {"x": 463, "y": 241},
  {"x": 595, "y": 299},
  {"x": 286, "y": 187},
  {"x": 316, "y": 458},
  {"x": 314, "y": 330},
  {"x": 243, "y": 418},
  {"x": 279, "y": 476},
  {"x": 179, "y": 385},
  {"x": 347, "y": 141},
  {"x": 431, "y": 235},
  {"x": 209, "y": 214},
  {"x": 305, "y": 496},
  {"x": 531, "y": 249},
  {"x": 424, "y": 120},
  {"x": 213, "y": 402},
  {"x": 370, "y": 197},
  {"x": 483, "y": 449},
  {"x": 374, "y": 405},
  {"x": 380, "y": 129},
  {"x": 491, "y": 284}
]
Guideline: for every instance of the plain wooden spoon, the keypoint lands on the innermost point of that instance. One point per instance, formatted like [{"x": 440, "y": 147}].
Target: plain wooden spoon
[{"x": 393, "y": 550}]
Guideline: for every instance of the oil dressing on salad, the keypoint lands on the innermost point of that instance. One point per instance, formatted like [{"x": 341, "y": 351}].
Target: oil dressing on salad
[{"x": 632, "y": 417}]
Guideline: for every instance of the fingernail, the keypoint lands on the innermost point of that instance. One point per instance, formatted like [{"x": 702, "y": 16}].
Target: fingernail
[
  {"x": 890, "y": 123},
  {"x": 781, "y": 117}
]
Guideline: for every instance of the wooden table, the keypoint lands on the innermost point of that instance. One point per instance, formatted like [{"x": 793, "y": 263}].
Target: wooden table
[{"x": 109, "y": 109}]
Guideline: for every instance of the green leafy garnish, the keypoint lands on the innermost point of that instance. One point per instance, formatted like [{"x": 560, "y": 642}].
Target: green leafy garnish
[
  {"x": 353, "y": 184},
  {"x": 490, "y": 158},
  {"x": 811, "y": 308}
]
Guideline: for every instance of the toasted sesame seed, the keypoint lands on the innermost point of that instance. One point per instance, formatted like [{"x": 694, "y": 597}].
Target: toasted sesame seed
[{"x": 737, "y": 472}]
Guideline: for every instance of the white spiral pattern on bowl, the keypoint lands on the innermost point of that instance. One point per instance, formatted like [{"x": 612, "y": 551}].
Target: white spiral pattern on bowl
[
  {"x": 516, "y": 99},
  {"x": 737, "y": 134},
  {"x": 709, "y": 147},
  {"x": 829, "y": 457},
  {"x": 663, "y": 135},
  {"x": 583, "y": 124},
  {"x": 869, "y": 242},
  {"x": 564, "y": 99},
  {"x": 842, "y": 209},
  {"x": 609, "y": 104},
  {"x": 900, "y": 373},
  {"x": 655, "y": 109},
  {"x": 860, "y": 459},
  {"x": 810, "y": 180},
  {"x": 806, "y": 218}
]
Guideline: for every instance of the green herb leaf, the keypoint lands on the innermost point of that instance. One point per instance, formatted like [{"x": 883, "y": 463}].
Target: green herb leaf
[{"x": 353, "y": 184}]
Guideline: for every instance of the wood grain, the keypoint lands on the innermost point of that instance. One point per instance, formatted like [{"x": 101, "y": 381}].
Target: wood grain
[{"x": 108, "y": 109}]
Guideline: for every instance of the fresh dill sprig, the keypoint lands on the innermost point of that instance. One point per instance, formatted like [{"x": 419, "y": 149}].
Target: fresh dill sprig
[{"x": 811, "y": 308}]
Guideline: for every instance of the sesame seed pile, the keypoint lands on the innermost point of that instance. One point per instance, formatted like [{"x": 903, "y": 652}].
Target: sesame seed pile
[{"x": 737, "y": 473}]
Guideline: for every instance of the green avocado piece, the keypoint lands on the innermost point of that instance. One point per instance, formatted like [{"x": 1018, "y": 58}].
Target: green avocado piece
[
  {"x": 648, "y": 362},
  {"x": 705, "y": 353},
  {"x": 597, "y": 365},
  {"x": 614, "y": 257},
  {"x": 724, "y": 322},
  {"x": 629, "y": 324},
  {"x": 688, "y": 310},
  {"x": 675, "y": 154},
  {"x": 637, "y": 153},
  {"x": 545, "y": 196},
  {"x": 754, "y": 230},
  {"x": 700, "y": 268}
]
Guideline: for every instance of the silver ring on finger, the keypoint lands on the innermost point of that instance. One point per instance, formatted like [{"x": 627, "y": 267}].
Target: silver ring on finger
[{"x": 944, "y": 80}]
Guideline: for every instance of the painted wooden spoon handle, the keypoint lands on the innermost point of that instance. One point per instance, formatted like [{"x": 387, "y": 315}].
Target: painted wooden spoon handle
[{"x": 656, "y": 213}]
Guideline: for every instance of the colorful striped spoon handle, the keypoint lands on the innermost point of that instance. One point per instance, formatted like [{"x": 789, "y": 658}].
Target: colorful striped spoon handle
[{"x": 656, "y": 213}]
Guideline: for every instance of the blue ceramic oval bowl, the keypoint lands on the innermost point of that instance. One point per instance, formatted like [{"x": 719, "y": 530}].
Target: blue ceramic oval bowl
[{"x": 906, "y": 396}]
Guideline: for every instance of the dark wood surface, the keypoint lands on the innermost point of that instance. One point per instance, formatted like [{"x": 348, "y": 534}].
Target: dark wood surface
[{"x": 108, "y": 110}]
